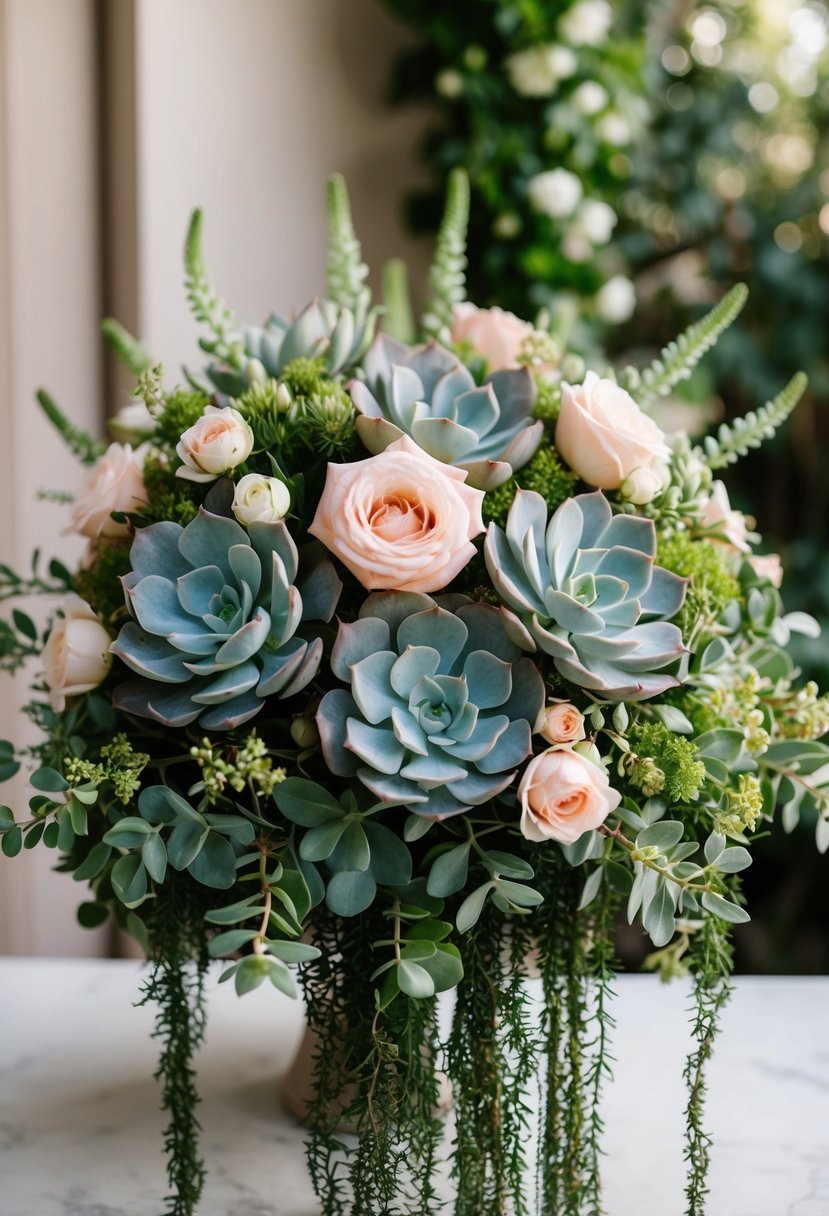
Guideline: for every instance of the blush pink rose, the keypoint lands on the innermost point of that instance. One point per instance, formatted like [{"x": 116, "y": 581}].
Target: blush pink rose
[
  {"x": 496, "y": 335},
  {"x": 563, "y": 795},
  {"x": 216, "y": 443},
  {"x": 604, "y": 436},
  {"x": 719, "y": 516},
  {"x": 116, "y": 483},
  {"x": 400, "y": 521},
  {"x": 768, "y": 566},
  {"x": 563, "y": 723},
  {"x": 76, "y": 655}
]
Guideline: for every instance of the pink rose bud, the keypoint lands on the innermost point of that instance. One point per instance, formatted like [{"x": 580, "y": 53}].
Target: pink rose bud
[
  {"x": 563, "y": 795},
  {"x": 604, "y": 436},
  {"x": 218, "y": 442},
  {"x": 76, "y": 655},
  {"x": 720, "y": 517},
  {"x": 768, "y": 566},
  {"x": 496, "y": 335},
  {"x": 116, "y": 483},
  {"x": 563, "y": 723},
  {"x": 400, "y": 521}
]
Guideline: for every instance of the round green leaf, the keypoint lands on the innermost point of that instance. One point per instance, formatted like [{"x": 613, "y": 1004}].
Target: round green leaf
[{"x": 215, "y": 863}]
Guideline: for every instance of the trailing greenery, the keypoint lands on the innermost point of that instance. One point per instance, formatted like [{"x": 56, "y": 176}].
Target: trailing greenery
[
  {"x": 738, "y": 438},
  {"x": 79, "y": 442},
  {"x": 133, "y": 354},
  {"x": 680, "y": 357},
  {"x": 447, "y": 275}
]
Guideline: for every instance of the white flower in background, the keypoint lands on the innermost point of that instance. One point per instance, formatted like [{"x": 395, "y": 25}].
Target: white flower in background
[
  {"x": 616, "y": 300},
  {"x": 597, "y": 220},
  {"x": 507, "y": 225},
  {"x": 586, "y": 23},
  {"x": 536, "y": 72},
  {"x": 614, "y": 129},
  {"x": 576, "y": 247},
  {"x": 556, "y": 193},
  {"x": 76, "y": 655},
  {"x": 589, "y": 98},
  {"x": 132, "y": 423},
  {"x": 258, "y": 499},
  {"x": 449, "y": 83}
]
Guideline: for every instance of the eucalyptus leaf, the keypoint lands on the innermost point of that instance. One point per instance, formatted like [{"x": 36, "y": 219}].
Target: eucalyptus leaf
[
  {"x": 415, "y": 980},
  {"x": 734, "y": 859},
  {"x": 93, "y": 863},
  {"x": 48, "y": 781},
  {"x": 352, "y": 851},
  {"x": 350, "y": 892},
  {"x": 129, "y": 880},
  {"x": 724, "y": 908},
  {"x": 154, "y": 856},
  {"x": 591, "y": 888},
  {"x": 472, "y": 906},
  {"x": 305, "y": 802},
  {"x": 215, "y": 863},
  {"x": 658, "y": 916},
  {"x": 449, "y": 871},
  {"x": 184, "y": 844},
  {"x": 391, "y": 861},
  {"x": 320, "y": 842},
  {"x": 230, "y": 941}
]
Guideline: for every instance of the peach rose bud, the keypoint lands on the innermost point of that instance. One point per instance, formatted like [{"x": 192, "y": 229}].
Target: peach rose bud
[
  {"x": 76, "y": 655},
  {"x": 768, "y": 566},
  {"x": 218, "y": 442},
  {"x": 604, "y": 436},
  {"x": 116, "y": 483},
  {"x": 496, "y": 335},
  {"x": 400, "y": 521},
  {"x": 563, "y": 795},
  {"x": 720, "y": 517},
  {"x": 562, "y": 723}
]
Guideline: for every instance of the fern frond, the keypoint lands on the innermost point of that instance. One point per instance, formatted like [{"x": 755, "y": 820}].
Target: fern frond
[
  {"x": 447, "y": 277},
  {"x": 346, "y": 271},
  {"x": 735, "y": 439},
  {"x": 679, "y": 358},
  {"x": 85, "y": 446},
  {"x": 206, "y": 304},
  {"x": 131, "y": 353},
  {"x": 398, "y": 319}
]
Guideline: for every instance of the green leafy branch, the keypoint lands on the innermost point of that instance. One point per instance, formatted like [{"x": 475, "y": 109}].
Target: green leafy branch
[
  {"x": 205, "y": 302},
  {"x": 737, "y": 438},
  {"x": 346, "y": 271},
  {"x": 80, "y": 442},
  {"x": 14, "y": 585},
  {"x": 447, "y": 276},
  {"x": 680, "y": 357}
]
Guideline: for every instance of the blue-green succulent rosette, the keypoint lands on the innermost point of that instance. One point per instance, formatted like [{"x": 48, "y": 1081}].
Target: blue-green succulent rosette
[
  {"x": 425, "y": 392},
  {"x": 583, "y": 587},
  {"x": 439, "y": 708},
  {"x": 216, "y": 624}
]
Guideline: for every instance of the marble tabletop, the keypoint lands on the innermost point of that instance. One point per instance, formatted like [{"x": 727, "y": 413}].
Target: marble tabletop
[{"x": 80, "y": 1129}]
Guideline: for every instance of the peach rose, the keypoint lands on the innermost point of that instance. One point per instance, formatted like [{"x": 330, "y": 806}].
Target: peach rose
[
  {"x": 116, "y": 483},
  {"x": 76, "y": 655},
  {"x": 218, "y": 442},
  {"x": 720, "y": 517},
  {"x": 563, "y": 795},
  {"x": 491, "y": 332},
  {"x": 563, "y": 723},
  {"x": 604, "y": 436},
  {"x": 768, "y": 566},
  {"x": 400, "y": 521}
]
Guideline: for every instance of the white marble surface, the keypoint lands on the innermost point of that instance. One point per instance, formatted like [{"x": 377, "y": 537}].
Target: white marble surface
[{"x": 80, "y": 1128}]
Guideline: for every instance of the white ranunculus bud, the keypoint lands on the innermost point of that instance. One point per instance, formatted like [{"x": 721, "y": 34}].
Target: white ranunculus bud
[
  {"x": 586, "y": 23},
  {"x": 76, "y": 656},
  {"x": 616, "y": 300},
  {"x": 556, "y": 193},
  {"x": 258, "y": 499}
]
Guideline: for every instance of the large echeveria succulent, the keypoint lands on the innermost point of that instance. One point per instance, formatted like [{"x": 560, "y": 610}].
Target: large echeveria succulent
[
  {"x": 323, "y": 330},
  {"x": 441, "y": 704},
  {"x": 216, "y": 612},
  {"x": 585, "y": 589},
  {"x": 426, "y": 392}
]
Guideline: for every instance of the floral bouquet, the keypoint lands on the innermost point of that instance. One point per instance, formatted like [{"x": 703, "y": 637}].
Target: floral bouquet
[{"x": 403, "y": 669}]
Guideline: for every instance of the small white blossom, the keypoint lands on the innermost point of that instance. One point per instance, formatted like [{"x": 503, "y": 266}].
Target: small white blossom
[
  {"x": 614, "y": 129},
  {"x": 616, "y": 300},
  {"x": 556, "y": 193},
  {"x": 597, "y": 220},
  {"x": 536, "y": 71},
  {"x": 590, "y": 98},
  {"x": 586, "y": 23}
]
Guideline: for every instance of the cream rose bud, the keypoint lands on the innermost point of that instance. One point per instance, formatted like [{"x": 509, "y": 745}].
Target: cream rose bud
[
  {"x": 76, "y": 655},
  {"x": 496, "y": 335},
  {"x": 642, "y": 485},
  {"x": 604, "y": 436},
  {"x": 218, "y": 442},
  {"x": 400, "y": 521},
  {"x": 258, "y": 499},
  {"x": 720, "y": 517},
  {"x": 768, "y": 566},
  {"x": 562, "y": 723},
  {"x": 563, "y": 795},
  {"x": 116, "y": 483}
]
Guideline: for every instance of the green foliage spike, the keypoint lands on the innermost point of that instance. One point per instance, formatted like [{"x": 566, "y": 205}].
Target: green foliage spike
[
  {"x": 346, "y": 272},
  {"x": 128, "y": 350},
  {"x": 398, "y": 320},
  {"x": 85, "y": 447},
  {"x": 735, "y": 439},
  {"x": 679, "y": 358},
  {"x": 447, "y": 276},
  {"x": 206, "y": 304}
]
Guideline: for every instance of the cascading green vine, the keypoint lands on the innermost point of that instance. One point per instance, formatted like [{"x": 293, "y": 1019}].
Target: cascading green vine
[{"x": 178, "y": 948}]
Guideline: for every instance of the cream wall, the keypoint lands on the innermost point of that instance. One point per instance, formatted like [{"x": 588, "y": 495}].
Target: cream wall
[{"x": 114, "y": 123}]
